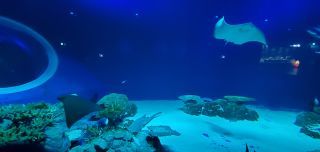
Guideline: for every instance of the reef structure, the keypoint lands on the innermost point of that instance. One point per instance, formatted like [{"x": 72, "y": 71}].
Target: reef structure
[{"x": 230, "y": 107}]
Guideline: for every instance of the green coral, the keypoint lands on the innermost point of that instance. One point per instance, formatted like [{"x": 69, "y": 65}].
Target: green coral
[
  {"x": 28, "y": 122},
  {"x": 116, "y": 107}
]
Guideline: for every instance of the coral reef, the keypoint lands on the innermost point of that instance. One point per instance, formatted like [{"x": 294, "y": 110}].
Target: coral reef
[
  {"x": 25, "y": 124},
  {"x": 116, "y": 107},
  {"x": 45, "y": 125},
  {"x": 309, "y": 123},
  {"x": 232, "y": 108}
]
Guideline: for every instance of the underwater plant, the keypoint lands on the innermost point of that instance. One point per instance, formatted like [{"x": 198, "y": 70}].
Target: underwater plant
[
  {"x": 116, "y": 107},
  {"x": 25, "y": 124}
]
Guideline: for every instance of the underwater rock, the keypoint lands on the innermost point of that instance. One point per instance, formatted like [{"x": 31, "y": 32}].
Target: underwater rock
[
  {"x": 307, "y": 119},
  {"x": 102, "y": 144},
  {"x": 316, "y": 109},
  {"x": 312, "y": 131},
  {"x": 55, "y": 140},
  {"x": 233, "y": 111},
  {"x": 138, "y": 124},
  {"x": 75, "y": 135},
  {"x": 206, "y": 99},
  {"x": 116, "y": 107},
  {"x": 142, "y": 143},
  {"x": 222, "y": 108},
  {"x": 309, "y": 123},
  {"x": 161, "y": 131},
  {"x": 191, "y": 99},
  {"x": 192, "y": 108},
  {"x": 239, "y": 99},
  {"x": 154, "y": 141},
  {"x": 83, "y": 148},
  {"x": 118, "y": 140}
]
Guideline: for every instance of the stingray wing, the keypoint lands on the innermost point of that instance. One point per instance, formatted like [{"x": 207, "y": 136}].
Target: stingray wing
[
  {"x": 238, "y": 34},
  {"x": 76, "y": 107}
]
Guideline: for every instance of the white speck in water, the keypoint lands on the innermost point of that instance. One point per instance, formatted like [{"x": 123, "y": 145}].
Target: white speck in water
[
  {"x": 124, "y": 81},
  {"x": 101, "y": 55},
  {"x": 63, "y": 44}
]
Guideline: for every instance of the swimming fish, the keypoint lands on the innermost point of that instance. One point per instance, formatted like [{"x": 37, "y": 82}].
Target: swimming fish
[
  {"x": 315, "y": 32},
  {"x": 76, "y": 107},
  {"x": 316, "y": 102},
  {"x": 239, "y": 33}
]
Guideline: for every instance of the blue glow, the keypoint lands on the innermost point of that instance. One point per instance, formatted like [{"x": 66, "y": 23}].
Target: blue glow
[{"x": 51, "y": 54}]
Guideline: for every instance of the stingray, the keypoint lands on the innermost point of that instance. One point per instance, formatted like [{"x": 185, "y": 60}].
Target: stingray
[
  {"x": 76, "y": 107},
  {"x": 238, "y": 33}
]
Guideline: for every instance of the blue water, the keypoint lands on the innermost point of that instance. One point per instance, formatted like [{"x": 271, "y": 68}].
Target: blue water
[{"x": 162, "y": 49}]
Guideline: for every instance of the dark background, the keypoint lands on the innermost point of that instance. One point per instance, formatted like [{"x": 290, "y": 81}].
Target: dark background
[{"x": 165, "y": 48}]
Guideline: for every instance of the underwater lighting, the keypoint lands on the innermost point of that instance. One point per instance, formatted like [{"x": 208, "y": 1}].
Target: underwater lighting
[
  {"x": 295, "y": 45},
  {"x": 46, "y": 47},
  {"x": 63, "y": 44},
  {"x": 101, "y": 55}
]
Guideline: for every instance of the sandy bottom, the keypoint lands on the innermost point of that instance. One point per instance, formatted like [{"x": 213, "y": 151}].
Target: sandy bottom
[{"x": 274, "y": 132}]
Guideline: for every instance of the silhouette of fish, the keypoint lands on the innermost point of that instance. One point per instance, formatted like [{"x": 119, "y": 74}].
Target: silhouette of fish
[{"x": 76, "y": 107}]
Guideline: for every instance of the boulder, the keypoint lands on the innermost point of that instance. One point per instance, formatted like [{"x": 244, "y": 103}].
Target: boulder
[
  {"x": 116, "y": 107},
  {"x": 191, "y": 99},
  {"x": 75, "y": 135},
  {"x": 239, "y": 99}
]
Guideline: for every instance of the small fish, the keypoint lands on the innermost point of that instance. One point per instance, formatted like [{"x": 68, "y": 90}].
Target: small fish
[
  {"x": 103, "y": 122},
  {"x": 124, "y": 82},
  {"x": 205, "y": 134},
  {"x": 316, "y": 102}
]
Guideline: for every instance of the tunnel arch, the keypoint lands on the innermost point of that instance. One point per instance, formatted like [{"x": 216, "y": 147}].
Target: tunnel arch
[{"x": 52, "y": 58}]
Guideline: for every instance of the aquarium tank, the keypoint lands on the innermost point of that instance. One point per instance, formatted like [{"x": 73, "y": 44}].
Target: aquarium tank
[{"x": 159, "y": 76}]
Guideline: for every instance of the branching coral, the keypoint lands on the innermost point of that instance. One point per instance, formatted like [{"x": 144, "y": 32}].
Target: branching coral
[{"x": 28, "y": 122}]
